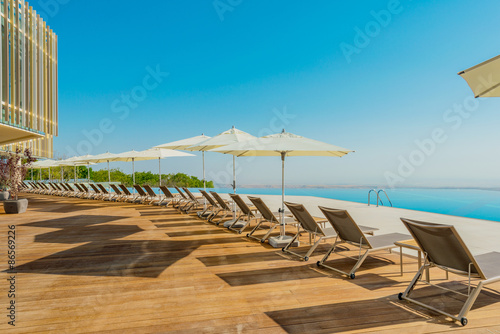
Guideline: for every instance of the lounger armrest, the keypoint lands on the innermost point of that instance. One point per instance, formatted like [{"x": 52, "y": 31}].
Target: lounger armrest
[{"x": 367, "y": 229}]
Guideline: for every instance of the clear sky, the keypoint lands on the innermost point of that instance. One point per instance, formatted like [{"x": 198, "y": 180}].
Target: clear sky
[{"x": 372, "y": 76}]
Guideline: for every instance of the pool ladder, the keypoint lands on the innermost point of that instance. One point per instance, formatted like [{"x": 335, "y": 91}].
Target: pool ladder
[{"x": 377, "y": 192}]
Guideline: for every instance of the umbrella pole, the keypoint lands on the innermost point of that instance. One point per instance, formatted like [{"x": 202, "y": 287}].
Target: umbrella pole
[
  {"x": 88, "y": 172},
  {"x": 203, "y": 158},
  {"x": 50, "y": 177},
  {"x": 283, "y": 193},
  {"x": 159, "y": 169},
  {"x": 204, "y": 183},
  {"x": 74, "y": 174},
  {"x": 31, "y": 174},
  {"x": 40, "y": 175},
  {"x": 133, "y": 173},
  {"x": 234, "y": 185},
  {"x": 234, "y": 174}
]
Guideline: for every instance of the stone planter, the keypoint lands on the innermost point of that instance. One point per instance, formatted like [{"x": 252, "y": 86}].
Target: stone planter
[
  {"x": 4, "y": 195},
  {"x": 13, "y": 206}
]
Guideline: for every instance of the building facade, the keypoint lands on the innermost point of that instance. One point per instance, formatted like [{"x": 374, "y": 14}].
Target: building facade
[{"x": 28, "y": 80}]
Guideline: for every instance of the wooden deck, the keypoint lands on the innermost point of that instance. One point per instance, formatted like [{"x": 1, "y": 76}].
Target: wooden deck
[{"x": 86, "y": 266}]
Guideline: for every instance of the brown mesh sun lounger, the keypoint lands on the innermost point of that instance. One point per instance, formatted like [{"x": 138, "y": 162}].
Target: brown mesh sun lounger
[
  {"x": 119, "y": 195},
  {"x": 211, "y": 210},
  {"x": 267, "y": 217},
  {"x": 349, "y": 232},
  {"x": 128, "y": 195},
  {"x": 246, "y": 214},
  {"x": 194, "y": 203},
  {"x": 316, "y": 228},
  {"x": 223, "y": 205},
  {"x": 143, "y": 196},
  {"x": 153, "y": 197},
  {"x": 169, "y": 197},
  {"x": 444, "y": 249}
]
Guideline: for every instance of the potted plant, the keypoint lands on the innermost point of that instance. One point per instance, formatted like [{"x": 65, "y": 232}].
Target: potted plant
[
  {"x": 4, "y": 192},
  {"x": 13, "y": 169}
]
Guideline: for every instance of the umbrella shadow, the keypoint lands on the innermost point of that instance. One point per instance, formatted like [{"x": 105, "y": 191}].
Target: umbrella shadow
[
  {"x": 250, "y": 277},
  {"x": 75, "y": 221},
  {"x": 221, "y": 260},
  {"x": 134, "y": 258},
  {"x": 344, "y": 316}
]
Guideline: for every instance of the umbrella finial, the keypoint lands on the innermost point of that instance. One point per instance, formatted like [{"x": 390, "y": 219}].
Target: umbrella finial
[{"x": 283, "y": 131}]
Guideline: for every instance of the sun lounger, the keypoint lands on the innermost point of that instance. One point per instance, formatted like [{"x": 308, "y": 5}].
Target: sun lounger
[
  {"x": 106, "y": 195},
  {"x": 154, "y": 198},
  {"x": 169, "y": 197},
  {"x": 194, "y": 202},
  {"x": 119, "y": 196},
  {"x": 268, "y": 217},
  {"x": 211, "y": 210},
  {"x": 314, "y": 226},
  {"x": 349, "y": 232},
  {"x": 444, "y": 249},
  {"x": 245, "y": 216},
  {"x": 226, "y": 209},
  {"x": 129, "y": 197},
  {"x": 73, "y": 192},
  {"x": 185, "y": 200},
  {"x": 82, "y": 193},
  {"x": 143, "y": 196},
  {"x": 97, "y": 193}
]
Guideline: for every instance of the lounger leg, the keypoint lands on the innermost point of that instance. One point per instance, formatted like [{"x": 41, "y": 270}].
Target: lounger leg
[
  {"x": 285, "y": 249},
  {"x": 250, "y": 235},
  {"x": 358, "y": 264},
  {"x": 470, "y": 301},
  {"x": 327, "y": 255},
  {"x": 249, "y": 220},
  {"x": 220, "y": 220},
  {"x": 413, "y": 282},
  {"x": 214, "y": 214},
  {"x": 313, "y": 248},
  {"x": 271, "y": 228}
]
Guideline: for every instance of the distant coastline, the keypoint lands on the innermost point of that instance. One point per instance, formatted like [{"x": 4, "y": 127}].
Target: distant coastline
[{"x": 275, "y": 186}]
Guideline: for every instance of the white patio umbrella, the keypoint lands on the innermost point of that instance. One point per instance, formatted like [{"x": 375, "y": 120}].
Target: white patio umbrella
[
  {"x": 103, "y": 157},
  {"x": 77, "y": 161},
  {"x": 48, "y": 163},
  {"x": 282, "y": 144},
  {"x": 228, "y": 137},
  {"x": 149, "y": 154},
  {"x": 484, "y": 78},
  {"x": 162, "y": 153},
  {"x": 184, "y": 145}
]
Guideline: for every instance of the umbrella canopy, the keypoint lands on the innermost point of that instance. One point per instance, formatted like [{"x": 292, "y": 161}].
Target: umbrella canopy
[
  {"x": 149, "y": 154},
  {"x": 484, "y": 78},
  {"x": 228, "y": 137},
  {"x": 184, "y": 144},
  {"x": 77, "y": 161},
  {"x": 103, "y": 157},
  {"x": 283, "y": 144},
  {"x": 45, "y": 163},
  {"x": 48, "y": 163},
  {"x": 162, "y": 153}
]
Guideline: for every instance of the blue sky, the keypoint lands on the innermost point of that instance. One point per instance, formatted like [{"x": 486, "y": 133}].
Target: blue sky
[{"x": 372, "y": 76}]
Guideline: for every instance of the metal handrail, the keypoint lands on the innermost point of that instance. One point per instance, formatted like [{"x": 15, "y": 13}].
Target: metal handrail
[
  {"x": 369, "y": 193},
  {"x": 378, "y": 197},
  {"x": 382, "y": 190}
]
